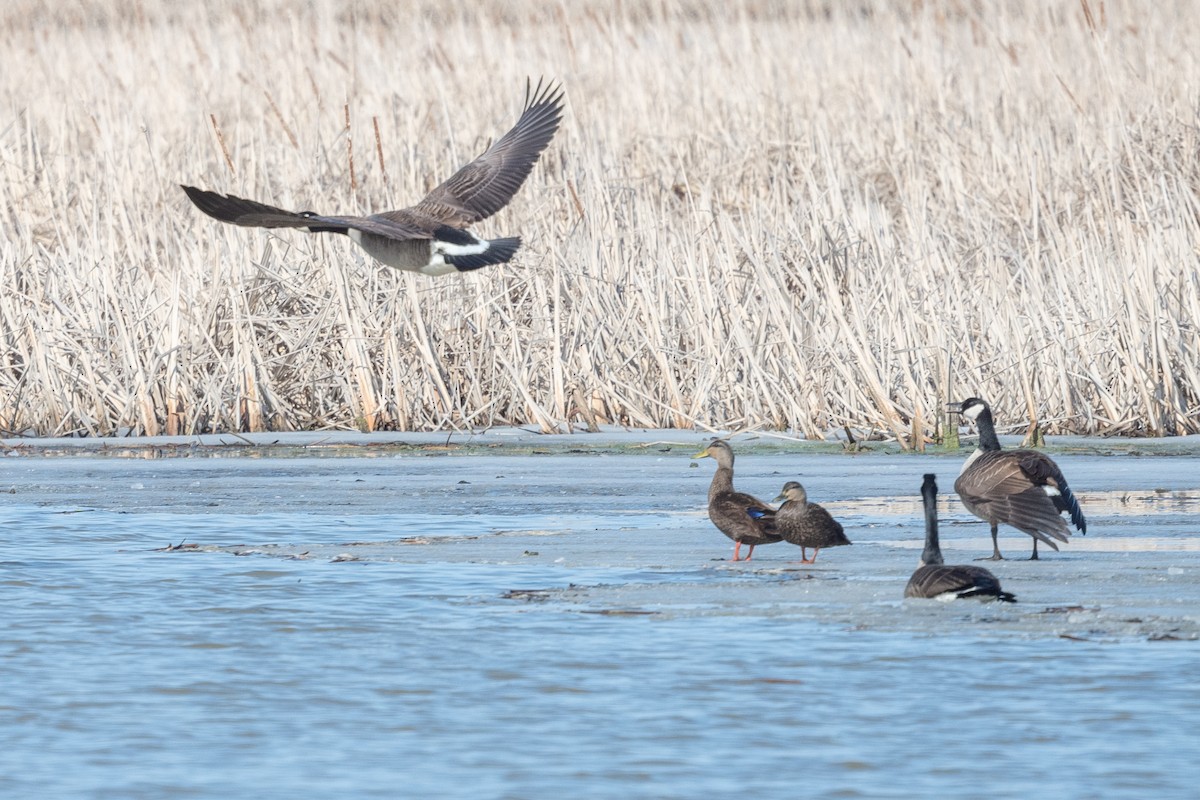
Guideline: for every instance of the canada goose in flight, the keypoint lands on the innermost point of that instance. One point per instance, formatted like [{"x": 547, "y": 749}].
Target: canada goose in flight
[
  {"x": 745, "y": 519},
  {"x": 806, "y": 524},
  {"x": 430, "y": 237},
  {"x": 933, "y": 579},
  {"x": 1022, "y": 488}
]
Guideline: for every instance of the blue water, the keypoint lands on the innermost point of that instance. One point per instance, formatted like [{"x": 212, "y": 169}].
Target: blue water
[{"x": 131, "y": 673}]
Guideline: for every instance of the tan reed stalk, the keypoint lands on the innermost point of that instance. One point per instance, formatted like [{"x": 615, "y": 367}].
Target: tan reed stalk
[
  {"x": 350, "y": 150},
  {"x": 379, "y": 149},
  {"x": 221, "y": 142},
  {"x": 283, "y": 122}
]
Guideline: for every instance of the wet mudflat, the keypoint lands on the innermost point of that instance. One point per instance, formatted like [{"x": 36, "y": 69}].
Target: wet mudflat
[{"x": 551, "y": 617}]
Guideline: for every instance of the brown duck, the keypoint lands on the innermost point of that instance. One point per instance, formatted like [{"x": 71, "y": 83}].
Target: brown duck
[
  {"x": 806, "y": 524},
  {"x": 741, "y": 517},
  {"x": 430, "y": 237}
]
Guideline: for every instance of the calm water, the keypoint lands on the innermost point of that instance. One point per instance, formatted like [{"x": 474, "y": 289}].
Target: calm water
[{"x": 131, "y": 672}]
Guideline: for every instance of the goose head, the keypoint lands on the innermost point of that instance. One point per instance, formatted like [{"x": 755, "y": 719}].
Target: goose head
[{"x": 970, "y": 408}]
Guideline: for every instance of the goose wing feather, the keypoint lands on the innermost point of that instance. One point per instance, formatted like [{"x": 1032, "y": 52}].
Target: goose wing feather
[
  {"x": 252, "y": 214},
  {"x": 1043, "y": 471},
  {"x": 248, "y": 213},
  {"x": 487, "y": 184},
  {"x": 1033, "y": 512},
  {"x": 964, "y": 581},
  {"x": 996, "y": 486}
]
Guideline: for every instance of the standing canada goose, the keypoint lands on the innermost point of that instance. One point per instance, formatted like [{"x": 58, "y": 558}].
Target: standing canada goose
[
  {"x": 745, "y": 519},
  {"x": 430, "y": 237},
  {"x": 935, "y": 580},
  {"x": 1022, "y": 488},
  {"x": 806, "y": 524}
]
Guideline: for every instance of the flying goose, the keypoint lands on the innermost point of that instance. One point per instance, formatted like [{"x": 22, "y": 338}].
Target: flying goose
[
  {"x": 1022, "y": 488},
  {"x": 935, "y": 580},
  {"x": 806, "y": 524},
  {"x": 430, "y": 237},
  {"x": 745, "y": 519}
]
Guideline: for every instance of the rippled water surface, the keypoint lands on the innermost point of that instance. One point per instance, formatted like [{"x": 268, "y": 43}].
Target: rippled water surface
[{"x": 564, "y": 625}]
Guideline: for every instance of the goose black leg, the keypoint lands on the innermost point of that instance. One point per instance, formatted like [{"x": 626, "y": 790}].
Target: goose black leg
[{"x": 995, "y": 556}]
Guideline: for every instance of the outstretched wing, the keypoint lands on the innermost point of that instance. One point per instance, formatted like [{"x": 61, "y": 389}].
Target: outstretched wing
[
  {"x": 252, "y": 214},
  {"x": 485, "y": 186},
  {"x": 239, "y": 211}
]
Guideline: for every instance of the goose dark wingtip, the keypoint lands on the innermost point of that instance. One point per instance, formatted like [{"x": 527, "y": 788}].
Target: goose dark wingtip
[
  {"x": 1076, "y": 512},
  {"x": 543, "y": 110},
  {"x": 194, "y": 194},
  {"x": 247, "y": 213},
  {"x": 211, "y": 203},
  {"x": 545, "y": 93}
]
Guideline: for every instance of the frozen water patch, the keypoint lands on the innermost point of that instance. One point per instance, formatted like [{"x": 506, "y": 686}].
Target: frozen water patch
[{"x": 569, "y": 625}]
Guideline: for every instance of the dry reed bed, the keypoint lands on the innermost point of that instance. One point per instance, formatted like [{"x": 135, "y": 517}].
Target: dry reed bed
[{"x": 757, "y": 215}]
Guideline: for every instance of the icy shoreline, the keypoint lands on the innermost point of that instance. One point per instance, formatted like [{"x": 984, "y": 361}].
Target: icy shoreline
[{"x": 608, "y": 439}]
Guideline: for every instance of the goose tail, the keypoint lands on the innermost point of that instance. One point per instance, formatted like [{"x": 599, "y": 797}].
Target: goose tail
[{"x": 1072, "y": 505}]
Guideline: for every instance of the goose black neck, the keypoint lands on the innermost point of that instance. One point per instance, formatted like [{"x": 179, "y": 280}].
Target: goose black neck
[
  {"x": 987, "y": 431},
  {"x": 932, "y": 554}
]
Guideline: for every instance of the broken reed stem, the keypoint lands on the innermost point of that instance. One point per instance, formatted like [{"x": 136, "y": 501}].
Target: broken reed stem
[
  {"x": 379, "y": 148},
  {"x": 1087, "y": 15},
  {"x": 350, "y": 150},
  {"x": 282, "y": 122},
  {"x": 575, "y": 198},
  {"x": 221, "y": 141}
]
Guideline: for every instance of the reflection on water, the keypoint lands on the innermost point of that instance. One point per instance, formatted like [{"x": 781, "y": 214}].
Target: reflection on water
[
  {"x": 1091, "y": 544},
  {"x": 1143, "y": 503},
  {"x": 1139, "y": 503}
]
